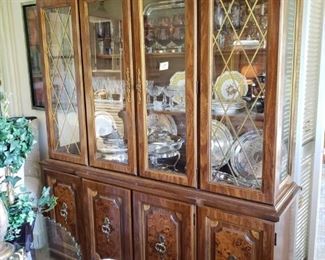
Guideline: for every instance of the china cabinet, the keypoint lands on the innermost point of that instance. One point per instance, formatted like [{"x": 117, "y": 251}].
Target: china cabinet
[{"x": 174, "y": 123}]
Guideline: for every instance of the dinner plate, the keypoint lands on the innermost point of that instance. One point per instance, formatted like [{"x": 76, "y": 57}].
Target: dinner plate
[
  {"x": 247, "y": 155},
  {"x": 230, "y": 86},
  {"x": 104, "y": 123},
  {"x": 161, "y": 122},
  {"x": 221, "y": 142},
  {"x": 229, "y": 108},
  {"x": 178, "y": 82}
]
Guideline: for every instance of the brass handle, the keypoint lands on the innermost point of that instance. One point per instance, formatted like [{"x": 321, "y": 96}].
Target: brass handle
[
  {"x": 160, "y": 246},
  {"x": 64, "y": 211},
  {"x": 128, "y": 85},
  {"x": 232, "y": 257},
  {"x": 107, "y": 227},
  {"x": 139, "y": 86}
]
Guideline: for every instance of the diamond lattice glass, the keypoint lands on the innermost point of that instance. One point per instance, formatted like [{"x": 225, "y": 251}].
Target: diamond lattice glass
[
  {"x": 238, "y": 91},
  {"x": 62, "y": 79}
]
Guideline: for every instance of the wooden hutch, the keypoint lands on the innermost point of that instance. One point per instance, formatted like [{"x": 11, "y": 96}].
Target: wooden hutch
[{"x": 171, "y": 125}]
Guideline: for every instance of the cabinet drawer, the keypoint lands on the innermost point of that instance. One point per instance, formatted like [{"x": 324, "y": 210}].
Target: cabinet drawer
[
  {"x": 231, "y": 237},
  {"x": 108, "y": 220},
  {"x": 163, "y": 228}
]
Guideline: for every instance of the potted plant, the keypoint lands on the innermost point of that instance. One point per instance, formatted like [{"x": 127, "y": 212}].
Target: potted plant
[{"x": 17, "y": 209}]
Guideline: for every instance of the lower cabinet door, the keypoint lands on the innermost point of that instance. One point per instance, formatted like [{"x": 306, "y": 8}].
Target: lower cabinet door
[
  {"x": 226, "y": 236},
  {"x": 163, "y": 228},
  {"x": 67, "y": 212},
  {"x": 108, "y": 221}
]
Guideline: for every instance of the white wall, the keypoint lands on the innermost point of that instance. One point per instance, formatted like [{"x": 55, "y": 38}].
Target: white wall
[{"x": 14, "y": 66}]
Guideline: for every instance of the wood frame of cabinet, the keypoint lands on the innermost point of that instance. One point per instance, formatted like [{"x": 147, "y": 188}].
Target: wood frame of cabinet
[
  {"x": 50, "y": 122},
  {"x": 242, "y": 216},
  {"x": 127, "y": 72},
  {"x": 271, "y": 189},
  {"x": 190, "y": 179}
]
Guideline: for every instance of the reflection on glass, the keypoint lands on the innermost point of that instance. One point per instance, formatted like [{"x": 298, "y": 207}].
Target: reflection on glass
[
  {"x": 164, "y": 37},
  {"x": 106, "y": 37},
  {"x": 238, "y": 92},
  {"x": 287, "y": 94},
  {"x": 62, "y": 79}
]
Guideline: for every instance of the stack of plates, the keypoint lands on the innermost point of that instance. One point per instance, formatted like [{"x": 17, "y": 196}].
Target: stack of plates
[
  {"x": 229, "y": 108},
  {"x": 113, "y": 108}
]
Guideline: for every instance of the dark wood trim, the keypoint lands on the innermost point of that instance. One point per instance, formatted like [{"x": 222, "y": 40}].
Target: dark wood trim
[
  {"x": 131, "y": 166},
  {"x": 190, "y": 178},
  {"x": 172, "y": 191},
  {"x": 48, "y": 4}
]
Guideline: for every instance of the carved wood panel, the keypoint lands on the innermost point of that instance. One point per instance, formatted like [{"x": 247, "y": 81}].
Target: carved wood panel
[
  {"x": 65, "y": 188},
  {"x": 109, "y": 221},
  {"x": 107, "y": 212},
  {"x": 164, "y": 229},
  {"x": 225, "y": 236},
  {"x": 234, "y": 243},
  {"x": 68, "y": 211},
  {"x": 65, "y": 211}
]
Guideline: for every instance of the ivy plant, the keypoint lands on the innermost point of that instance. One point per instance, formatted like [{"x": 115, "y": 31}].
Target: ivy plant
[
  {"x": 16, "y": 141},
  {"x": 24, "y": 211}
]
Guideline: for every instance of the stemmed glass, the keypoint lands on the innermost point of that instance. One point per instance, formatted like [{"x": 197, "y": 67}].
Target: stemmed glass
[
  {"x": 181, "y": 94},
  {"x": 155, "y": 91},
  {"x": 170, "y": 92}
]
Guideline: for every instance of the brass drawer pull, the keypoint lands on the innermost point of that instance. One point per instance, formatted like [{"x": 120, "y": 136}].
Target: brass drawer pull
[
  {"x": 64, "y": 211},
  {"x": 160, "y": 246},
  {"x": 232, "y": 257},
  {"x": 128, "y": 85},
  {"x": 139, "y": 87},
  {"x": 107, "y": 227}
]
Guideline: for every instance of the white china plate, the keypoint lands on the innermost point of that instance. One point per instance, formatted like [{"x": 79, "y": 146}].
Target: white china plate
[
  {"x": 178, "y": 81},
  {"x": 104, "y": 123},
  {"x": 230, "y": 86}
]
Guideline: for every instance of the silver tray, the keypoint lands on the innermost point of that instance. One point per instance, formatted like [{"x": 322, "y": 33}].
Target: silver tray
[
  {"x": 221, "y": 142},
  {"x": 160, "y": 144},
  {"x": 247, "y": 156}
]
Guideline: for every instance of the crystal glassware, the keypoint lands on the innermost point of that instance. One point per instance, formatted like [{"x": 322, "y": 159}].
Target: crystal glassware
[{"x": 170, "y": 92}]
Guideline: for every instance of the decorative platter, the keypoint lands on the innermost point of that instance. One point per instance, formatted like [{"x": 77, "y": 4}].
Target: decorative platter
[
  {"x": 230, "y": 86},
  {"x": 221, "y": 142},
  {"x": 247, "y": 156},
  {"x": 177, "y": 81}
]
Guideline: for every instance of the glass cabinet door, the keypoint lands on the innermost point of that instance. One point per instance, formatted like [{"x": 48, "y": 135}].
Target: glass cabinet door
[
  {"x": 239, "y": 102},
  {"x": 166, "y": 89},
  {"x": 63, "y": 77},
  {"x": 106, "y": 38}
]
